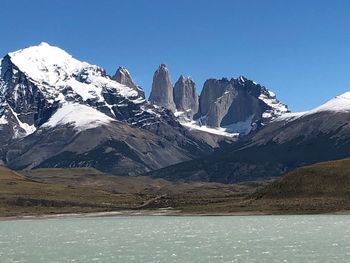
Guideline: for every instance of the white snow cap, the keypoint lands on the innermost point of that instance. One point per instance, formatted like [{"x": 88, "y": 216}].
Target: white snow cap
[
  {"x": 45, "y": 63},
  {"x": 51, "y": 66},
  {"x": 80, "y": 116},
  {"x": 340, "y": 103}
]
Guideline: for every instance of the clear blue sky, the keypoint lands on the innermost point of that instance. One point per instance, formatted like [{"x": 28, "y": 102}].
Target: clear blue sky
[{"x": 300, "y": 49}]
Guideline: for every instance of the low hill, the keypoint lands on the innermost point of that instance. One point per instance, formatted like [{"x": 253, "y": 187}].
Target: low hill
[
  {"x": 318, "y": 188},
  {"x": 322, "y": 179}
]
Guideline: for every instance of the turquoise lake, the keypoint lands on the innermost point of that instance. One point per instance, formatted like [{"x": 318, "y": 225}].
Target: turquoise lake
[{"x": 309, "y": 238}]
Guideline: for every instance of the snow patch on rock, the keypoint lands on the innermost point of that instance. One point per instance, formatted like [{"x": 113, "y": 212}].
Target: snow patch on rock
[
  {"x": 80, "y": 116},
  {"x": 3, "y": 120},
  {"x": 233, "y": 130},
  {"x": 217, "y": 131},
  {"x": 277, "y": 107},
  {"x": 241, "y": 127},
  {"x": 28, "y": 129}
]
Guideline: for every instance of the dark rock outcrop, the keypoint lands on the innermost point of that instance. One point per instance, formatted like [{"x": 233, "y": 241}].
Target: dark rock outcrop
[
  {"x": 186, "y": 97},
  {"x": 239, "y": 104},
  {"x": 162, "y": 89},
  {"x": 123, "y": 76}
]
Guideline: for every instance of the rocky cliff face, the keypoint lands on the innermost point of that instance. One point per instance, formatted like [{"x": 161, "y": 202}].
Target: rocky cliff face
[
  {"x": 225, "y": 107},
  {"x": 239, "y": 104},
  {"x": 162, "y": 89},
  {"x": 56, "y": 111},
  {"x": 123, "y": 76},
  {"x": 186, "y": 97}
]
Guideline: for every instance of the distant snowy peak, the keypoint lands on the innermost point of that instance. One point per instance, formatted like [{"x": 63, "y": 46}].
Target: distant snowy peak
[
  {"x": 45, "y": 63},
  {"x": 54, "y": 70},
  {"x": 339, "y": 104}
]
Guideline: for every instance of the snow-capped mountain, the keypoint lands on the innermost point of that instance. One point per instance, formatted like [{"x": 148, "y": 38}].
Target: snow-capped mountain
[
  {"x": 50, "y": 101},
  {"x": 38, "y": 80}
]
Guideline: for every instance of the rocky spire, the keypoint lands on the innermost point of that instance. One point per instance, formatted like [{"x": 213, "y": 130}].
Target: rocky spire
[
  {"x": 185, "y": 96},
  {"x": 162, "y": 89},
  {"x": 123, "y": 76}
]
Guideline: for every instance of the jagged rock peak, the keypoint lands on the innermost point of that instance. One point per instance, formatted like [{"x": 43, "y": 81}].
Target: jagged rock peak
[
  {"x": 163, "y": 66},
  {"x": 240, "y": 104},
  {"x": 186, "y": 96},
  {"x": 162, "y": 89},
  {"x": 242, "y": 79},
  {"x": 182, "y": 78},
  {"x": 123, "y": 76}
]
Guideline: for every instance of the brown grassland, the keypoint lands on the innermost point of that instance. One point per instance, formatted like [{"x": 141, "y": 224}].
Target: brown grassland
[{"x": 319, "y": 188}]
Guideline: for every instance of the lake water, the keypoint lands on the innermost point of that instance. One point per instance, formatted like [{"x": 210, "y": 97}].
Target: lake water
[{"x": 321, "y": 238}]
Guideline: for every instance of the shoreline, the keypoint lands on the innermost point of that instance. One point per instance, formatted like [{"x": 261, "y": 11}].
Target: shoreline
[{"x": 159, "y": 212}]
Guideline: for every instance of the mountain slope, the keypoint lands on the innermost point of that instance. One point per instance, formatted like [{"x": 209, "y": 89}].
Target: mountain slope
[
  {"x": 58, "y": 111},
  {"x": 290, "y": 141},
  {"x": 318, "y": 188}
]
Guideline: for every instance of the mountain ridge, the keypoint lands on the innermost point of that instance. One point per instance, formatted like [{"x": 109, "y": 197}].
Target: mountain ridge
[{"x": 49, "y": 96}]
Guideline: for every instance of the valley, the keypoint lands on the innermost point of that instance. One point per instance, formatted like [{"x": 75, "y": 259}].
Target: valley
[{"x": 320, "y": 188}]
